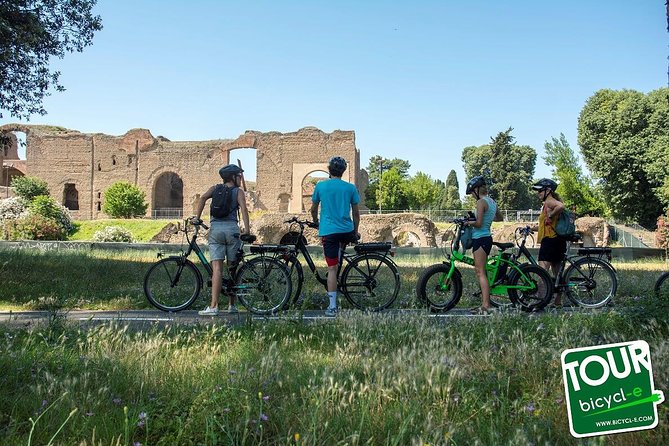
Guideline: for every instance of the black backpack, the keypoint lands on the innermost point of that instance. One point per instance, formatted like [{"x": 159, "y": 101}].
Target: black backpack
[{"x": 222, "y": 201}]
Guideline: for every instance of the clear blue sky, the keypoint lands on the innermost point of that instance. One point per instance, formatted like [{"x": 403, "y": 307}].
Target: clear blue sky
[{"x": 416, "y": 80}]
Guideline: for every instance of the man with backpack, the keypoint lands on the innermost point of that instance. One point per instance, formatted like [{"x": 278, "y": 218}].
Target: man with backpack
[
  {"x": 552, "y": 246},
  {"x": 228, "y": 201}
]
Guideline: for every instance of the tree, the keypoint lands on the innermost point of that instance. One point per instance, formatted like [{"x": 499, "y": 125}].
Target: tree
[
  {"x": 31, "y": 32},
  {"x": 29, "y": 187},
  {"x": 450, "y": 198},
  {"x": 510, "y": 167},
  {"x": 422, "y": 191},
  {"x": 391, "y": 191},
  {"x": 123, "y": 200},
  {"x": 619, "y": 132},
  {"x": 574, "y": 188},
  {"x": 376, "y": 167}
]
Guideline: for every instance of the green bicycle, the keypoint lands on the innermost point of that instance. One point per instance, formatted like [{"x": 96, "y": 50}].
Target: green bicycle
[{"x": 529, "y": 287}]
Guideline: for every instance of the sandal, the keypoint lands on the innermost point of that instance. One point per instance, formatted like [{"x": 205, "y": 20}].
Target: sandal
[{"x": 481, "y": 311}]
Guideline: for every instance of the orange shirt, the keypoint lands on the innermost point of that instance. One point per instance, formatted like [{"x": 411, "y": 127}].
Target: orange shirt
[{"x": 546, "y": 229}]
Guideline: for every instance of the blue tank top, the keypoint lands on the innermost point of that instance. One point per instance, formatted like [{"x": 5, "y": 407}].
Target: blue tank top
[{"x": 488, "y": 217}]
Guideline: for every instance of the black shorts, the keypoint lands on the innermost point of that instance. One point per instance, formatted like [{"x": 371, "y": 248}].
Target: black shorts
[
  {"x": 552, "y": 249},
  {"x": 483, "y": 242},
  {"x": 332, "y": 243}
]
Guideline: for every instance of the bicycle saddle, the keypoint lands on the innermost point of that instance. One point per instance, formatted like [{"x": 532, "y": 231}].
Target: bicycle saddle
[
  {"x": 248, "y": 238},
  {"x": 503, "y": 246}
]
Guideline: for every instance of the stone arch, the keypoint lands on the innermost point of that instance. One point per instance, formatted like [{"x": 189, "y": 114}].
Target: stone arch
[
  {"x": 168, "y": 195},
  {"x": 414, "y": 233},
  {"x": 307, "y": 186},
  {"x": 71, "y": 196}
]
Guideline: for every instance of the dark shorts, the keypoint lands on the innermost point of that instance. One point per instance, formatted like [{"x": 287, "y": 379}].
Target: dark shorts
[
  {"x": 552, "y": 249},
  {"x": 483, "y": 242},
  {"x": 332, "y": 243}
]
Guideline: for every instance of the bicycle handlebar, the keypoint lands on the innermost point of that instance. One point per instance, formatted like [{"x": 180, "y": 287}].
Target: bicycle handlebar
[{"x": 301, "y": 222}]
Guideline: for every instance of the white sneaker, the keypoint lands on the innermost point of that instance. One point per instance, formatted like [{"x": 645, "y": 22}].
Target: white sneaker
[
  {"x": 208, "y": 312},
  {"x": 331, "y": 312},
  {"x": 232, "y": 309}
]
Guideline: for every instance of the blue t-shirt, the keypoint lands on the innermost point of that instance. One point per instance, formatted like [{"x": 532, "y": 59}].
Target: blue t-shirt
[
  {"x": 488, "y": 217},
  {"x": 336, "y": 197}
]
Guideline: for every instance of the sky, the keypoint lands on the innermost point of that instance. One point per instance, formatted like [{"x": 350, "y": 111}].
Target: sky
[{"x": 417, "y": 80}]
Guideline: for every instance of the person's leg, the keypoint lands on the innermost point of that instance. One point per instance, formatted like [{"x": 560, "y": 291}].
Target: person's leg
[
  {"x": 233, "y": 244},
  {"x": 480, "y": 260},
  {"x": 557, "y": 296},
  {"x": 216, "y": 281},
  {"x": 331, "y": 253}
]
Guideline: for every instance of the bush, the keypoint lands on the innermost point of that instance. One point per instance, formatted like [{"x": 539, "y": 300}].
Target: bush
[
  {"x": 12, "y": 208},
  {"x": 123, "y": 200},
  {"x": 29, "y": 187},
  {"x": 48, "y": 207},
  {"x": 35, "y": 227},
  {"x": 113, "y": 234}
]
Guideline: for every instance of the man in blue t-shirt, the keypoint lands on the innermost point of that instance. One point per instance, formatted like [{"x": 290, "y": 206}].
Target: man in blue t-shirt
[{"x": 338, "y": 200}]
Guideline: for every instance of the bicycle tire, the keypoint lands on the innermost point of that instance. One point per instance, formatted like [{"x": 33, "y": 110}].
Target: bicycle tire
[
  {"x": 172, "y": 284},
  {"x": 263, "y": 285},
  {"x": 537, "y": 298},
  {"x": 590, "y": 282},
  {"x": 371, "y": 282},
  {"x": 437, "y": 295},
  {"x": 297, "y": 279},
  {"x": 662, "y": 286}
]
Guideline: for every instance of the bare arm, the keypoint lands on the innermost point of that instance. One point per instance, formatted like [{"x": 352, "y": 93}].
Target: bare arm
[
  {"x": 241, "y": 200},
  {"x": 314, "y": 212},
  {"x": 199, "y": 206},
  {"x": 481, "y": 207},
  {"x": 355, "y": 210}
]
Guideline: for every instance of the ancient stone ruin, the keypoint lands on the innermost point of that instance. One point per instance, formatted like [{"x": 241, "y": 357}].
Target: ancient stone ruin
[{"x": 80, "y": 167}]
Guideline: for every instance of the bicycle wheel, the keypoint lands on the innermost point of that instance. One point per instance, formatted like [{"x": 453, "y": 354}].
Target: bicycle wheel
[
  {"x": 370, "y": 282},
  {"x": 263, "y": 285},
  {"x": 541, "y": 288},
  {"x": 436, "y": 291},
  {"x": 590, "y": 282},
  {"x": 662, "y": 286},
  {"x": 296, "y": 279},
  {"x": 172, "y": 284}
]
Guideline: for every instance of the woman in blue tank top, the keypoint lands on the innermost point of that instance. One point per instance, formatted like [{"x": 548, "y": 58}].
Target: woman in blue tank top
[{"x": 486, "y": 212}]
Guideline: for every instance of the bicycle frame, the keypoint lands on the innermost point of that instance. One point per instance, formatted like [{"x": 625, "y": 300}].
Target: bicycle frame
[{"x": 497, "y": 284}]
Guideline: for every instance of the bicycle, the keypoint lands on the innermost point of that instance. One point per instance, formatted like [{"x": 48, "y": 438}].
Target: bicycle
[
  {"x": 662, "y": 286},
  {"x": 368, "y": 279},
  {"x": 440, "y": 286},
  {"x": 589, "y": 280},
  {"x": 262, "y": 284}
]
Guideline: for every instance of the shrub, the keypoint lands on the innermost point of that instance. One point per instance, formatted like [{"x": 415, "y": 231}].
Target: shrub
[
  {"x": 123, "y": 200},
  {"x": 29, "y": 187},
  {"x": 12, "y": 208},
  {"x": 49, "y": 208},
  {"x": 35, "y": 227},
  {"x": 113, "y": 234}
]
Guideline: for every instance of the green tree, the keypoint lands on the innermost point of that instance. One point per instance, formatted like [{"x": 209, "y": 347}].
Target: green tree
[
  {"x": 123, "y": 200},
  {"x": 376, "y": 167},
  {"x": 618, "y": 131},
  {"x": 29, "y": 187},
  {"x": 510, "y": 167},
  {"x": 422, "y": 191},
  {"x": 32, "y": 32},
  {"x": 391, "y": 193},
  {"x": 574, "y": 187},
  {"x": 451, "y": 194}
]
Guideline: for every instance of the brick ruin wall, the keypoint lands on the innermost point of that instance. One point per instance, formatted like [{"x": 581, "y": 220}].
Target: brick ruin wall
[{"x": 84, "y": 166}]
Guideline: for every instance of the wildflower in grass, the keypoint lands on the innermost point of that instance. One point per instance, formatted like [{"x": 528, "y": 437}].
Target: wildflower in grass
[
  {"x": 141, "y": 423},
  {"x": 137, "y": 443},
  {"x": 219, "y": 388},
  {"x": 558, "y": 401},
  {"x": 540, "y": 327},
  {"x": 226, "y": 409},
  {"x": 89, "y": 414},
  {"x": 264, "y": 417},
  {"x": 530, "y": 408},
  {"x": 232, "y": 372},
  {"x": 142, "y": 415},
  {"x": 265, "y": 398},
  {"x": 296, "y": 437},
  {"x": 456, "y": 397},
  {"x": 117, "y": 401}
]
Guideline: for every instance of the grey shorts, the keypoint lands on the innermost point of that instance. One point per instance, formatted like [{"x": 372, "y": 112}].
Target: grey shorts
[{"x": 224, "y": 240}]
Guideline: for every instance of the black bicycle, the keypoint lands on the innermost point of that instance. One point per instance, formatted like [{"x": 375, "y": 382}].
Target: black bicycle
[
  {"x": 369, "y": 278},
  {"x": 662, "y": 286},
  {"x": 587, "y": 278},
  {"x": 262, "y": 284}
]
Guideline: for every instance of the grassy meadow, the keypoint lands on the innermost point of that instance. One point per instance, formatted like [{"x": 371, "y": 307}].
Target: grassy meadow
[{"x": 362, "y": 379}]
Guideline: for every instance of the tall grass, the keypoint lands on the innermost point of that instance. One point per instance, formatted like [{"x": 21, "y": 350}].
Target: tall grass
[
  {"x": 142, "y": 230},
  {"x": 362, "y": 379}
]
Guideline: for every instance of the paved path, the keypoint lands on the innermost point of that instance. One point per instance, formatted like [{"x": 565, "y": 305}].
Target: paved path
[{"x": 149, "y": 318}]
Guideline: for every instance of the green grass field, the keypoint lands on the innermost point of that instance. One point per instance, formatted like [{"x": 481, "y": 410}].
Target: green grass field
[
  {"x": 142, "y": 230},
  {"x": 361, "y": 379}
]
